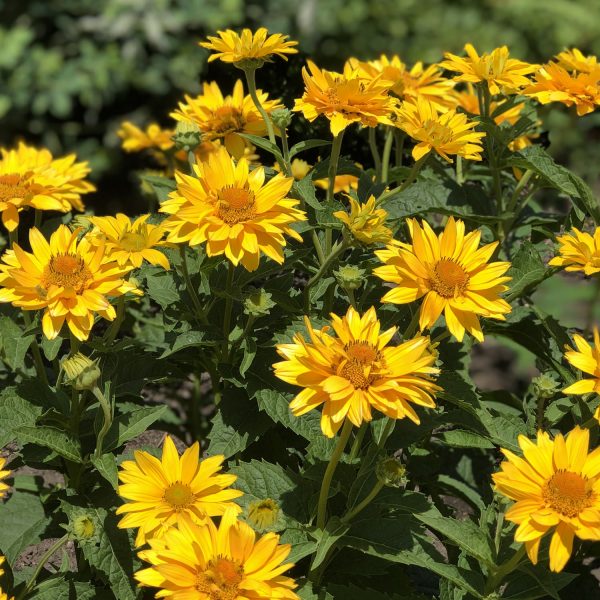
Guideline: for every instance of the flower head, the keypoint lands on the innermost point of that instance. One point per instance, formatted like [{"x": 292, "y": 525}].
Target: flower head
[
  {"x": 556, "y": 485},
  {"x": 579, "y": 251},
  {"x": 575, "y": 60},
  {"x": 134, "y": 139},
  {"x": 228, "y": 562},
  {"x": 232, "y": 210},
  {"x": 300, "y": 168},
  {"x": 161, "y": 492},
  {"x": 69, "y": 279},
  {"x": 450, "y": 273},
  {"x": 343, "y": 98},
  {"x": 32, "y": 178},
  {"x": 130, "y": 242},
  {"x": 496, "y": 69},
  {"x": 357, "y": 371},
  {"x": 249, "y": 49},
  {"x": 365, "y": 222},
  {"x": 264, "y": 514},
  {"x": 226, "y": 117},
  {"x": 448, "y": 133},
  {"x": 81, "y": 372},
  {"x": 4, "y": 473},
  {"x": 341, "y": 183}
]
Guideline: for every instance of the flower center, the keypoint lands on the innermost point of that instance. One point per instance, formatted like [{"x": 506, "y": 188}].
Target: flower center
[
  {"x": 263, "y": 513},
  {"x": 568, "y": 493},
  {"x": 221, "y": 579},
  {"x": 362, "y": 352},
  {"x": 438, "y": 133},
  {"x": 68, "y": 271},
  {"x": 355, "y": 374},
  {"x": 179, "y": 496},
  {"x": 448, "y": 278},
  {"x": 235, "y": 205},
  {"x": 133, "y": 242},
  {"x": 12, "y": 187},
  {"x": 228, "y": 119}
]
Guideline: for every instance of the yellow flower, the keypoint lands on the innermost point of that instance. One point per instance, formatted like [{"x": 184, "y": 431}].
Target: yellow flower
[
  {"x": 225, "y": 117},
  {"x": 161, "y": 492},
  {"x": 4, "y": 473},
  {"x": 366, "y": 222},
  {"x": 153, "y": 137},
  {"x": 341, "y": 183},
  {"x": 254, "y": 48},
  {"x": 496, "y": 69},
  {"x": 447, "y": 133},
  {"x": 34, "y": 178},
  {"x": 344, "y": 98},
  {"x": 579, "y": 251},
  {"x": 556, "y": 485},
  {"x": 5, "y": 596},
  {"x": 553, "y": 83},
  {"x": 232, "y": 210},
  {"x": 450, "y": 272},
  {"x": 300, "y": 168},
  {"x": 2, "y": 561},
  {"x": 130, "y": 243},
  {"x": 69, "y": 280},
  {"x": 575, "y": 60},
  {"x": 357, "y": 371}
]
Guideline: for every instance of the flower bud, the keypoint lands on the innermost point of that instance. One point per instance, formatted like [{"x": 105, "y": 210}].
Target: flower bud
[
  {"x": 81, "y": 372},
  {"x": 187, "y": 136},
  {"x": 281, "y": 117},
  {"x": 350, "y": 277},
  {"x": 391, "y": 472},
  {"x": 258, "y": 303},
  {"x": 84, "y": 527},
  {"x": 264, "y": 514},
  {"x": 544, "y": 386}
]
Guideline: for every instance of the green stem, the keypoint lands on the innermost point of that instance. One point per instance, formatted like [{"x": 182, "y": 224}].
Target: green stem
[
  {"x": 539, "y": 412},
  {"x": 364, "y": 503},
  {"x": 13, "y": 237},
  {"x": 107, "y": 413},
  {"x": 387, "y": 431},
  {"x": 35, "y": 351},
  {"x": 333, "y": 462},
  {"x": 459, "y": 170},
  {"x": 351, "y": 297},
  {"x": 286, "y": 151},
  {"x": 499, "y": 574},
  {"x": 336, "y": 147},
  {"x": 251, "y": 80},
  {"x": 412, "y": 326},
  {"x": 375, "y": 153},
  {"x": 37, "y": 218},
  {"x": 414, "y": 172},
  {"x": 399, "y": 137},
  {"x": 189, "y": 286},
  {"x": 358, "y": 441},
  {"x": 245, "y": 332},
  {"x": 228, "y": 310},
  {"x": 75, "y": 344},
  {"x": 335, "y": 252},
  {"x": 115, "y": 326},
  {"x": 498, "y": 533},
  {"x": 387, "y": 152}
]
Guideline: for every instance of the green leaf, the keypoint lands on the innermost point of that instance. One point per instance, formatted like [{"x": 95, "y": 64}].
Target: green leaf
[
  {"x": 13, "y": 343},
  {"x": 307, "y": 145},
  {"x": 302, "y": 544},
  {"x": 527, "y": 271},
  {"x": 531, "y": 582},
  {"x": 126, "y": 427},
  {"x": 188, "y": 339},
  {"x": 265, "y": 145},
  {"x": 107, "y": 467},
  {"x": 15, "y": 411},
  {"x": 161, "y": 186},
  {"x": 50, "y": 437},
  {"x": 162, "y": 287},
  {"x": 305, "y": 189},
  {"x": 60, "y": 588},
  {"x": 51, "y": 348},
  {"x": 23, "y": 523},
  {"x": 459, "y": 438},
  {"x": 329, "y": 537}
]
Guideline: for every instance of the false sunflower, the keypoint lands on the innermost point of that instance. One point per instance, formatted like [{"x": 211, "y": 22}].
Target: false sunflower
[
  {"x": 448, "y": 133},
  {"x": 365, "y": 222},
  {"x": 575, "y": 60},
  {"x": 579, "y": 251},
  {"x": 130, "y": 242},
  {"x": 232, "y": 210},
  {"x": 4, "y": 473},
  {"x": 357, "y": 371},
  {"x": 204, "y": 562},
  {"x": 257, "y": 47},
  {"x": 499, "y": 72},
  {"x": 69, "y": 279},
  {"x": 341, "y": 183},
  {"x": 5, "y": 596},
  {"x": 450, "y": 272},
  {"x": 225, "y": 117},
  {"x": 300, "y": 168},
  {"x": 556, "y": 485},
  {"x": 344, "y": 98},
  {"x": 134, "y": 139},
  {"x": 160, "y": 492}
]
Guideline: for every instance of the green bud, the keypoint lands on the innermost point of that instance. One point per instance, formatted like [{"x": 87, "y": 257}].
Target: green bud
[
  {"x": 81, "y": 372},
  {"x": 258, "y": 303},
  {"x": 544, "y": 386},
  {"x": 251, "y": 64},
  {"x": 84, "y": 527},
  {"x": 187, "y": 136},
  {"x": 264, "y": 515},
  {"x": 350, "y": 277},
  {"x": 391, "y": 472},
  {"x": 281, "y": 117}
]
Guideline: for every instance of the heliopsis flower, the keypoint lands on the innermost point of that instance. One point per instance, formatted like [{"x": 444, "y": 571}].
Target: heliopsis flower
[
  {"x": 232, "y": 210},
  {"x": 587, "y": 359},
  {"x": 496, "y": 69},
  {"x": 365, "y": 222},
  {"x": 5, "y": 596},
  {"x": 357, "y": 371},
  {"x": 34, "y": 178},
  {"x": 225, "y": 117},
  {"x": 161, "y": 492},
  {"x": 343, "y": 99},
  {"x": 341, "y": 183},
  {"x": 556, "y": 485},
  {"x": 447, "y": 133},
  {"x": 450, "y": 272},
  {"x": 300, "y": 168},
  {"x": 204, "y": 562},
  {"x": 2, "y": 561},
  {"x": 263, "y": 514},
  {"x": 579, "y": 251},
  {"x": 4, "y": 473},
  {"x": 153, "y": 137},
  {"x": 130, "y": 243},
  {"x": 553, "y": 83},
  {"x": 254, "y": 48},
  {"x": 575, "y": 60},
  {"x": 69, "y": 279}
]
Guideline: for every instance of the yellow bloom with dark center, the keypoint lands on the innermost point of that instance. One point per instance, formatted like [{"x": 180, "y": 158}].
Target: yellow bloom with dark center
[
  {"x": 450, "y": 272},
  {"x": 195, "y": 561},
  {"x": 448, "y": 133},
  {"x": 4, "y": 473},
  {"x": 32, "y": 178},
  {"x": 225, "y": 117},
  {"x": 71, "y": 280},
  {"x": 154, "y": 137},
  {"x": 575, "y": 60},
  {"x": 257, "y": 47},
  {"x": 579, "y": 251},
  {"x": 554, "y": 83},
  {"x": 556, "y": 485},
  {"x": 365, "y": 222},
  {"x": 586, "y": 358},
  {"x": 232, "y": 210},
  {"x": 344, "y": 98},
  {"x": 356, "y": 371},
  {"x": 130, "y": 242},
  {"x": 160, "y": 492},
  {"x": 499, "y": 72}
]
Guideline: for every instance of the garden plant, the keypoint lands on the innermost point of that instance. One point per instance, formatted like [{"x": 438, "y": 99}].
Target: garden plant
[{"x": 261, "y": 388}]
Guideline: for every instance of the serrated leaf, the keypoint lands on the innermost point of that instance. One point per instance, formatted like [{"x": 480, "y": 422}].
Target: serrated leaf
[
  {"x": 306, "y": 190},
  {"x": 13, "y": 343},
  {"x": 60, "y": 588},
  {"x": 527, "y": 271},
  {"x": 334, "y": 531},
  {"x": 265, "y": 145},
  {"x": 161, "y": 186},
  {"x": 51, "y": 348},
  {"x": 302, "y": 544},
  {"x": 460, "y": 438},
  {"x": 15, "y": 412},
  {"x": 188, "y": 339},
  {"x": 50, "y": 437},
  {"x": 107, "y": 467},
  {"x": 307, "y": 145},
  {"x": 531, "y": 582},
  {"x": 162, "y": 288},
  {"x": 126, "y": 427}
]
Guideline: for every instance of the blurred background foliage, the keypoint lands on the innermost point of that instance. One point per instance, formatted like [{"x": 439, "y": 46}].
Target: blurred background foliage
[{"x": 72, "y": 70}]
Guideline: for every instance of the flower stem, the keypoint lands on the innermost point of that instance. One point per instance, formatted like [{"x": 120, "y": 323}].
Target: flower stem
[
  {"x": 115, "y": 326},
  {"x": 499, "y": 574},
  {"x": 387, "y": 151},
  {"x": 37, "y": 218},
  {"x": 333, "y": 462},
  {"x": 412, "y": 326},
  {"x": 399, "y": 137},
  {"x": 251, "y": 81},
  {"x": 416, "y": 169},
  {"x": 364, "y": 503},
  {"x": 387, "y": 431},
  {"x": 189, "y": 286},
  {"x": 358, "y": 440},
  {"x": 336, "y": 147},
  {"x": 107, "y": 412},
  {"x": 375, "y": 153},
  {"x": 335, "y": 252},
  {"x": 13, "y": 237},
  {"x": 35, "y": 351},
  {"x": 286, "y": 151},
  {"x": 228, "y": 310}
]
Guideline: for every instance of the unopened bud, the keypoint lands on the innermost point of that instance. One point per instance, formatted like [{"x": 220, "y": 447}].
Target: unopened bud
[
  {"x": 264, "y": 514},
  {"x": 281, "y": 117},
  {"x": 258, "y": 303},
  {"x": 544, "y": 386},
  {"x": 84, "y": 527},
  {"x": 350, "y": 277},
  {"x": 187, "y": 136},
  {"x": 391, "y": 472},
  {"x": 81, "y": 372}
]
